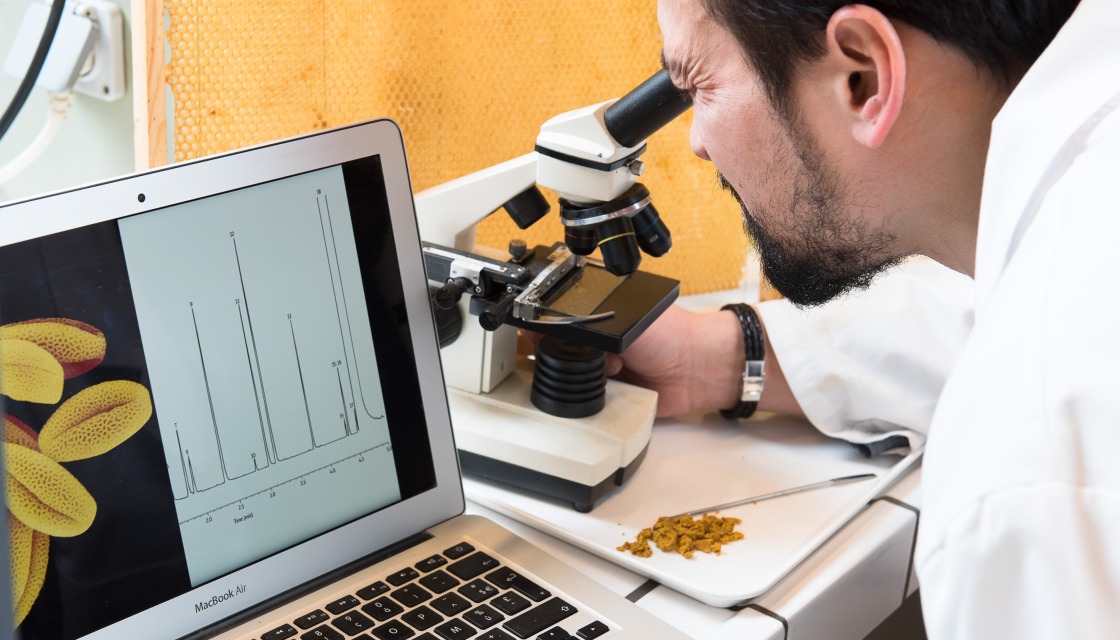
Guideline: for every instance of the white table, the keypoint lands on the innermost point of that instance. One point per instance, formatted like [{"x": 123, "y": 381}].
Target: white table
[{"x": 843, "y": 590}]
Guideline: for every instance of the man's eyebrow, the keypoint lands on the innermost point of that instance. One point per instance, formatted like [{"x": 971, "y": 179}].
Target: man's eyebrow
[{"x": 672, "y": 66}]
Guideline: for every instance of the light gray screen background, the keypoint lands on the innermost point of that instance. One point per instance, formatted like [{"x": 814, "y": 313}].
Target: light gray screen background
[{"x": 263, "y": 372}]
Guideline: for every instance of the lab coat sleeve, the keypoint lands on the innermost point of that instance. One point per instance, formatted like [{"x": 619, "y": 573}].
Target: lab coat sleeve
[{"x": 872, "y": 363}]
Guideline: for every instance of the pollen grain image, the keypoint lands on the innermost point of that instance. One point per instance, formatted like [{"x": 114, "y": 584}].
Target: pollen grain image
[
  {"x": 85, "y": 484},
  {"x": 44, "y": 499}
]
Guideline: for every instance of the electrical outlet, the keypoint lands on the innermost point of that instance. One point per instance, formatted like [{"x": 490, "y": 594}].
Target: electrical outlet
[
  {"x": 103, "y": 75},
  {"x": 73, "y": 41}
]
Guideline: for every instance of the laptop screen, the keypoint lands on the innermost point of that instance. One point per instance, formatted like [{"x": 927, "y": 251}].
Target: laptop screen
[{"x": 204, "y": 386}]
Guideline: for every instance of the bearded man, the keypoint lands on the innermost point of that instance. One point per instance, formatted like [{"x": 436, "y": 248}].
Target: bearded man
[{"x": 983, "y": 135}]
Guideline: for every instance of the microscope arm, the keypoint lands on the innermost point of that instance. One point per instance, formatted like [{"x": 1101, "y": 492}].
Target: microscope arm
[{"x": 447, "y": 214}]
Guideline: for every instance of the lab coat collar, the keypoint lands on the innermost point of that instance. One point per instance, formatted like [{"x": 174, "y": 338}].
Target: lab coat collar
[{"x": 1041, "y": 128}]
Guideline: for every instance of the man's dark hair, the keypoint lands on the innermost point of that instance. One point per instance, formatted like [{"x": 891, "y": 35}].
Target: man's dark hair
[{"x": 1003, "y": 37}]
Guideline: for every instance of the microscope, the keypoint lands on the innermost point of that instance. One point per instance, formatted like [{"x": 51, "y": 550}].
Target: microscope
[{"x": 553, "y": 423}]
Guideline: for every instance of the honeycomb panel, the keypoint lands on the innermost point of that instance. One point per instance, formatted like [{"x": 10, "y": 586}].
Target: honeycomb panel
[{"x": 469, "y": 83}]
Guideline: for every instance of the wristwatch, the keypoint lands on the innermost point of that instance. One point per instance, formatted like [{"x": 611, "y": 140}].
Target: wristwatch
[{"x": 754, "y": 370}]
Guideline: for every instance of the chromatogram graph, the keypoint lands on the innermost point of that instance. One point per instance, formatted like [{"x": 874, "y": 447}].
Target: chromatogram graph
[
  {"x": 321, "y": 387},
  {"x": 260, "y": 353}
]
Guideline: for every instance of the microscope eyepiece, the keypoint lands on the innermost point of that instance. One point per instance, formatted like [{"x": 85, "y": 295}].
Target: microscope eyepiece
[{"x": 648, "y": 107}]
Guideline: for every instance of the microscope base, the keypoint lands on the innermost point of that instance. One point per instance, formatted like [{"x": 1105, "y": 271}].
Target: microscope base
[
  {"x": 502, "y": 437},
  {"x": 582, "y": 497}
]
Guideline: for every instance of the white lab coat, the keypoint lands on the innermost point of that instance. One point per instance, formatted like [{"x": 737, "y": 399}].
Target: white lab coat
[
  {"x": 872, "y": 363},
  {"x": 1020, "y": 527}
]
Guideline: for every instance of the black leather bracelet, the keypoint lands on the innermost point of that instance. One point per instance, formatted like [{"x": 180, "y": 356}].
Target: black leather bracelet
[{"x": 755, "y": 346}]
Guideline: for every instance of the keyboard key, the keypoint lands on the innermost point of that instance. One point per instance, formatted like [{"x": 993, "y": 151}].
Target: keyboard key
[
  {"x": 455, "y": 630},
  {"x": 311, "y": 619},
  {"x": 322, "y": 633},
  {"x": 352, "y": 623},
  {"x": 425, "y": 636},
  {"x": 555, "y": 633},
  {"x": 411, "y": 595},
  {"x": 404, "y": 575},
  {"x": 540, "y": 618},
  {"x": 451, "y": 604},
  {"x": 439, "y": 581},
  {"x": 458, "y": 551},
  {"x": 510, "y": 603},
  {"x": 593, "y": 630},
  {"x": 343, "y": 604},
  {"x": 422, "y": 618},
  {"x": 393, "y": 630},
  {"x": 430, "y": 564},
  {"x": 506, "y": 578},
  {"x": 280, "y": 633},
  {"x": 382, "y": 609},
  {"x": 478, "y": 590},
  {"x": 373, "y": 590},
  {"x": 494, "y": 634},
  {"x": 473, "y": 565},
  {"x": 483, "y": 616}
]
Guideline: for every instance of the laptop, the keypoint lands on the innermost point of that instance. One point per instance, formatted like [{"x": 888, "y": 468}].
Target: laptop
[{"x": 225, "y": 416}]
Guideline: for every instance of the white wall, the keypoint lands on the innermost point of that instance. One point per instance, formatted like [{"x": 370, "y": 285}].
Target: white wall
[{"x": 95, "y": 142}]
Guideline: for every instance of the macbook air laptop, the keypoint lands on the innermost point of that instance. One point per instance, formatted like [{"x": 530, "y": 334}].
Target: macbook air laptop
[{"x": 224, "y": 416}]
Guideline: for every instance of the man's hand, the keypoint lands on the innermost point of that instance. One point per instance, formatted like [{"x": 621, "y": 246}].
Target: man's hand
[{"x": 694, "y": 361}]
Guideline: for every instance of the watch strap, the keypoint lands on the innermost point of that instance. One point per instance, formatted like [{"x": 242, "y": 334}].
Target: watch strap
[{"x": 754, "y": 344}]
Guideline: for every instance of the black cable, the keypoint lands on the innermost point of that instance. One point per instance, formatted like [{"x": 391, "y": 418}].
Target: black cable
[{"x": 34, "y": 68}]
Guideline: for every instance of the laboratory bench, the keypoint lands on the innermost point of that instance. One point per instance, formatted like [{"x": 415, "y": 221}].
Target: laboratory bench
[
  {"x": 844, "y": 589},
  {"x": 831, "y": 564}
]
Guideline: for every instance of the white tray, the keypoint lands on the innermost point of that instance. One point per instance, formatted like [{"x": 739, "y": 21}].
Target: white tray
[{"x": 700, "y": 461}]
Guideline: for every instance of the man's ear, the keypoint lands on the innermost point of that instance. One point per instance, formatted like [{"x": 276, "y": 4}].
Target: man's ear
[{"x": 867, "y": 58}]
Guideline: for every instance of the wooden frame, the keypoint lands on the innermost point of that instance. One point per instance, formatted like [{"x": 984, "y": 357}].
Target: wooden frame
[{"x": 149, "y": 103}]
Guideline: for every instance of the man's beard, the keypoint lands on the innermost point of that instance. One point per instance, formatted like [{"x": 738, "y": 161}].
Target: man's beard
[{"x": 819, "y": 255}]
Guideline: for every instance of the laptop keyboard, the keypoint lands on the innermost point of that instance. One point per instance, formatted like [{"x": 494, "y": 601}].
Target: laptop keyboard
[{"x": 461, "y": 593}]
